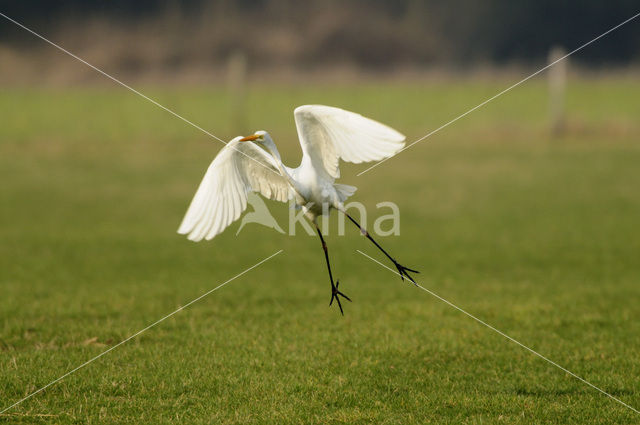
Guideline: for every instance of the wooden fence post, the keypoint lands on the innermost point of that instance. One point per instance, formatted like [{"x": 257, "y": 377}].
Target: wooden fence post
[
  {"x": 236, "y": 84},
  {"x": 557, "y": 90}
]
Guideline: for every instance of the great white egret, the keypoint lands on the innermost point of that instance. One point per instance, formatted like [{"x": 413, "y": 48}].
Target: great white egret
[{"x": 326, "y": 134}]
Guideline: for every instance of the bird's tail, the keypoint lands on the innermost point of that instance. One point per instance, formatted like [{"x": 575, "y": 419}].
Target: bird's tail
[{"x": 344, "y": 191}]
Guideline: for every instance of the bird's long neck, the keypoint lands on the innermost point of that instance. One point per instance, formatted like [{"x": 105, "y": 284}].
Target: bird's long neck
[{"x": 284, "y": 170}]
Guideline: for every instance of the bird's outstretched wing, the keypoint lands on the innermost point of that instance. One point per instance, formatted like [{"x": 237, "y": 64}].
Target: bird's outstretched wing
[
  {"x": 328, "y": 134},
  {"x": 222, "y": 194}
]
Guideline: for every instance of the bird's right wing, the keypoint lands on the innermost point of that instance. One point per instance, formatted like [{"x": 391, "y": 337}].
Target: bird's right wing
[
  {"x": 239, "y": 168},
  {"x": 328, "y": 134}
]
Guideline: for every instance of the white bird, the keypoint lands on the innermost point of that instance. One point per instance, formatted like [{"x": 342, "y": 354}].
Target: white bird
[{"x": 326, "y": 134}]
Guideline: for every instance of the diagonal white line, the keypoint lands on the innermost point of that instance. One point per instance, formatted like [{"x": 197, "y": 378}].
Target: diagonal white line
[
  {"x": 138, "y": 333},
  {"x": 503, "y": 91},
  {"x": 506, "y": 336},
  {"x": 114, "y": 79}
]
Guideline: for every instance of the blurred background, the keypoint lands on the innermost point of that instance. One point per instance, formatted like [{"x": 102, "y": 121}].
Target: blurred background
[
  {"x": 524, "y": 212},
  {"x": 193, "y": 40}
]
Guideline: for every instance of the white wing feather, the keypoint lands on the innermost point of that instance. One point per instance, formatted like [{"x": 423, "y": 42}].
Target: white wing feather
[
  {"x": 222, "y": 195},
  {"x": 328, "y": 134}
]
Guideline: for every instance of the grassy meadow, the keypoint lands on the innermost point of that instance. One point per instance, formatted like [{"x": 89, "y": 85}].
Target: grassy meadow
[{"x": 537, "y": 235}]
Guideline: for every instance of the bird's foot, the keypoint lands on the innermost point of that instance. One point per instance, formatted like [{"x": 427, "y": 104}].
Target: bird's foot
[
  {"x": 403, "y": 271},
  {"x": 335, "y": 294}
]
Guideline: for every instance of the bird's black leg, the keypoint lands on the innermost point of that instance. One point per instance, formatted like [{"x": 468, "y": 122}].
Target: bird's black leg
[
  {"x": 401, "y": 269},
  {"x": 335, "y": 293}
]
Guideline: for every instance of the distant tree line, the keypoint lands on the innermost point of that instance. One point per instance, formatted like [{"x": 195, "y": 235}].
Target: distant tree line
[{"x": 373, "y": 33}]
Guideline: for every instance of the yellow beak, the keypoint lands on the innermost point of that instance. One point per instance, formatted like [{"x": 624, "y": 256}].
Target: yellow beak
[{"x": 249, "y": 138}]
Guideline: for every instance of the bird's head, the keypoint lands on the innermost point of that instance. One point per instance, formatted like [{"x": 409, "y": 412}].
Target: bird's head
[
  {"x": 264, "y": 140},
  {"x": 259, "y": 136}
]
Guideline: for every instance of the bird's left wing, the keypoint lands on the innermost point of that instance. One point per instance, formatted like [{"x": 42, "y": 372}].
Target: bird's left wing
[
  {"x": 239, "y": 168},
  {"x": 328, "y": 134}
]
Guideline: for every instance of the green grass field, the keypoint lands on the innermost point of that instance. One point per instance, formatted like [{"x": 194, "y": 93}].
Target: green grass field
[{"x": 538, "y": 236}]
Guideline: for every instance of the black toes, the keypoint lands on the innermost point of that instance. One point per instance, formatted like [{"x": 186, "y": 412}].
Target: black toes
[
  {"x": 404, "y": 272},
  {"x": 340, "y": 293},
  {"x": 336, "y": 294}
]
